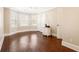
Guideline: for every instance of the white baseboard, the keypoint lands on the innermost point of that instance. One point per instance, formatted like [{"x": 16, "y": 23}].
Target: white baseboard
[
  {"x": 1, "y": 42},
  {"x": 18, "y": 32},
  {"x": 70, "y": 45}
]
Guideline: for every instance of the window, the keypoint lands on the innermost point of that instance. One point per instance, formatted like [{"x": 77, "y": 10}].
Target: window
[
  {"x": 23, "y": 20},
  {"x": 33, "y": 20},
  {"x": 13, "y": 19}
]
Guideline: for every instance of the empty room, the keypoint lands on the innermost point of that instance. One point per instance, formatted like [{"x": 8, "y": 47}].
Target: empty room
[{"x": 39, "y": 29}]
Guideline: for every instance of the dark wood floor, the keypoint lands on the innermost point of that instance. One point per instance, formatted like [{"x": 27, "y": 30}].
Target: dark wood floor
[{"x": 33, "y": 42}]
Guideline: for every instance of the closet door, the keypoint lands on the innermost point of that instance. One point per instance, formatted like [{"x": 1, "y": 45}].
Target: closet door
[{"x": 1, "y": 27}]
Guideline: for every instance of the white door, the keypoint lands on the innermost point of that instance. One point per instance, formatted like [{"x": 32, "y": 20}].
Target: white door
[
  {"x": 1, "y": 27},
  {"x": 59, "y": 22}
]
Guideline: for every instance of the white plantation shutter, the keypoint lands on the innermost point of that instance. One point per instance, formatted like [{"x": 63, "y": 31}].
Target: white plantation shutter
[
  {"x": 13, "y": 19},
  {"x": 33, "y": 20},
  {"x": 19, "y": 20},
  {"x": 23, "y": 20}
]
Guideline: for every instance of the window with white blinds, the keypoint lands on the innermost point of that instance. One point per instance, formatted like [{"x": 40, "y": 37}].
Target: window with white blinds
[
  {"x": 34, "y": 20},
  {"x": 13, "y": 19},
  {"x": 23, "y": 20},
  {"x": 20, "y": 19}
]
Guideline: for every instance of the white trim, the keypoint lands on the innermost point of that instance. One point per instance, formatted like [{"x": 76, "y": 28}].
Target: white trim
[
  {"x": 18, "y": 32},
  {"x": 1, "y": 42},
  {"x": 70, "y": 45},
  {"x": 2, "y": 35}
]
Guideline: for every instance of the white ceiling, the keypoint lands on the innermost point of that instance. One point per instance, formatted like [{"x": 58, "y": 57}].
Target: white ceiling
[{"x": 33, "y": 10}]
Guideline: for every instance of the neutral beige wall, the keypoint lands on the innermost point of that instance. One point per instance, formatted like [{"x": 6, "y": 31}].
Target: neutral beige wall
[
  {"x": 68, "y": 20},
  {"x": 1, "y": 27},
  {"x": 59, "y": 15},
  {"x": 69, "y": 23},
  {"x": 6, "y": 20}
]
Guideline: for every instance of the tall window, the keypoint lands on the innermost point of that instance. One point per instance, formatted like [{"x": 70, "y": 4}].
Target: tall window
[
  {"x": 23, "y": 20},
  {"x": 20, "y": 19},
  {"x": 33, "y": 20},
  {"x": 13, "y": 19}
]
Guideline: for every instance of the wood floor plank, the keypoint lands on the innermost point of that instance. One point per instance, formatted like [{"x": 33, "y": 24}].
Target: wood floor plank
[{"x": 33, "y": 41}]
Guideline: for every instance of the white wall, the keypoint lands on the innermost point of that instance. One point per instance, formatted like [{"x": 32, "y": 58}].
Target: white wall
[
  {"x": 68, "y": 18},
  {"x": 71, "y": 25},
  {"x": 1, "y": 28},
  {"x": 59, "y": 15}
]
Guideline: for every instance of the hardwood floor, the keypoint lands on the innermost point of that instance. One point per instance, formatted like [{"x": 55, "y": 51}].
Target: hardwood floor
[{"x": 33, "y": 42}]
